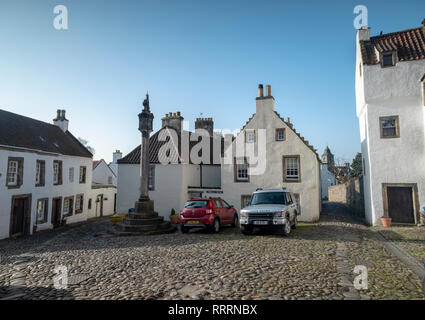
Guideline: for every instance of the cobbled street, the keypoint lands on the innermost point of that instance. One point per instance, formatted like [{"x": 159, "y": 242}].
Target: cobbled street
[{"x": 315, "y": 262}]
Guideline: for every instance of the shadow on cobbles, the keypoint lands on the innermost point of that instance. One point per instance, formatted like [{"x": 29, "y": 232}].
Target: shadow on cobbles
[
  {"x": 93, "y": 236},
  {"x": 34, "y": 293}
]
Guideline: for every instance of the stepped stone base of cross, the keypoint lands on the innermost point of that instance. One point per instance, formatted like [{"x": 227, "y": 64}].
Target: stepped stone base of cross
[{"x": 143, "y": 221}]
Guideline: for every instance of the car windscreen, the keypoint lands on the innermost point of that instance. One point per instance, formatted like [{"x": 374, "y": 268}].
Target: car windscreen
[
  {"x": 268, "y": 198},
  {"x": 196, "y": 204}
]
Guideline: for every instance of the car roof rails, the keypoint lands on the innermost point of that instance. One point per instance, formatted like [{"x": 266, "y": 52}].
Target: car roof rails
[{"x": 258, "y": 189}]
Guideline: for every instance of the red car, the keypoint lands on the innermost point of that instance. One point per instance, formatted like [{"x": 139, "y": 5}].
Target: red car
[{"x": 208, "y": 213}]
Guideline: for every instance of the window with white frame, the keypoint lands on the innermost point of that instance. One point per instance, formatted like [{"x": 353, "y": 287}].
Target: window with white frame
[
  {"x": 38, "y": 173},
  {"x": 79, "y": 203},
  {"x": 250, "y": 136},
  {"x": 71, "y": 175},
  {"x": 12, "y": 173},
  {"x": 241, "y": 171},
  {"x": 110, "y": 180},
  {"x": 57, "y": 172},
  {"x": 280, "y": 134},
  {"x": 40, "y": 170},
  {"x": 42, "y": 210},
  {"x": 291, "y": 168},
  {"x": 68, "y": 206},
  {"x": 83, "y": 171},
  {"x": 389, "y": 127}
]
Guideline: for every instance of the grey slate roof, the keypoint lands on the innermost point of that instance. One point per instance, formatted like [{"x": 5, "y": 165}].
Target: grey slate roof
[
  {"x": 23, "y": 132},
  {"x": 155, "y": 145}
]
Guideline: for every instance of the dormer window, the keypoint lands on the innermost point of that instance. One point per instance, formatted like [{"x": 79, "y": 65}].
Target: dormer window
[{"x": 388, "y": 59}]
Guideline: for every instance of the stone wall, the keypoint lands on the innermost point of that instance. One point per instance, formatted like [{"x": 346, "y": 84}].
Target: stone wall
[{"x": 350, "y": 193}]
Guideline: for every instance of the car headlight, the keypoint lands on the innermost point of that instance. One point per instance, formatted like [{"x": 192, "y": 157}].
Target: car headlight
[
  {"x": 244, "y": 215},
  {"x": 278, "y": 214}
]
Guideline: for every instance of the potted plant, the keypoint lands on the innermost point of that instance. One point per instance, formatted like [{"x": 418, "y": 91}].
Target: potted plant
[
  {"x": 174, "y": 218},
  {"x": 386, "y": 222}
]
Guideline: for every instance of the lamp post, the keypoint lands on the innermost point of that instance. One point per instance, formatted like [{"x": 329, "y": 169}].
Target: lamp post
[{"x": 145, "y": 127}]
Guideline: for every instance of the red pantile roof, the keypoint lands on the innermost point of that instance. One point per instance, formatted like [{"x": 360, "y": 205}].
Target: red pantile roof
[{"x": 409, "y": 44}]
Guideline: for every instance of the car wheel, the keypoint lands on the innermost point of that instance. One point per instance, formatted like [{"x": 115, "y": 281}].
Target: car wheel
[
  {"x": 287, "y": 228},
  {"x": 184, "y": 229},
  {"x": 216, "y": 226},
  {"x": 246, "y": 230},
  {"x": 235, "y": 222},
  {"x": 294, "y": 226}
]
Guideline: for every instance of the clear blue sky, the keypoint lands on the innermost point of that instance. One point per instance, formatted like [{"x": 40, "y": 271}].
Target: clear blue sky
[{"x": 196, "y": 57}]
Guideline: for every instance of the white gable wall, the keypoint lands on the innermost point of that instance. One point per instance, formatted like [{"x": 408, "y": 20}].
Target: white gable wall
[{"x": 308, "y": 188}]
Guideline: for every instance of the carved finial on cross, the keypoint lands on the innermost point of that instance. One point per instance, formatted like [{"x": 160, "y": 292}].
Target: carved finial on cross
[{"x": 146, "y": 103}]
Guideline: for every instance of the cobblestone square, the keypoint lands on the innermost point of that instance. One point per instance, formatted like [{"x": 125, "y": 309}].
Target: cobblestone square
[{"x": 315, "y": 262}]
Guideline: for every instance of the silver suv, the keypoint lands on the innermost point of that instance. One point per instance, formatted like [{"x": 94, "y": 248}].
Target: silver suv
[{"x": 275, "y": 208}]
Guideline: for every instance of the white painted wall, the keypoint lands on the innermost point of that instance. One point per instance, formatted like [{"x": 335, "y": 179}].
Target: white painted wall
[
  {"x": 101, "y": 174},
  {"x": 309, "y": 188},
  {"x": 388, "y": 92},
  {"x": 327, "y": 178},
  {"x": 108, "y": 201},
  {"x": 171, "y": 185},
  {"x": 48, "y": 191}
]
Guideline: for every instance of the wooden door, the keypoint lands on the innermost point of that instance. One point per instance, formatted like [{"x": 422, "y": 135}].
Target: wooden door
[
  {"x": 400, "y": 204},
  {"x": 19, "y": 219},
  {"x": 56, "y": 212}
]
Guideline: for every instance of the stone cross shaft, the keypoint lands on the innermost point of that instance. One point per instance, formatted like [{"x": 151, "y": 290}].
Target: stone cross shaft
[{"x": 145, "y": 127}]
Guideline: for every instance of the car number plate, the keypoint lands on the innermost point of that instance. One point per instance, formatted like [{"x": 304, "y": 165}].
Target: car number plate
[
  {"x": 261, "y": 222},
  {"x": 193, "y": 222}
]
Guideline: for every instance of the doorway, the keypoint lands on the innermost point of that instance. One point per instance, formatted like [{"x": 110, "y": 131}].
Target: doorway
[
  {"x": 56, "y": 212},
  {"x": 20, "y": 217},
  {"x": 99, "y": 205},
  {"x": 400, "y": 202}
]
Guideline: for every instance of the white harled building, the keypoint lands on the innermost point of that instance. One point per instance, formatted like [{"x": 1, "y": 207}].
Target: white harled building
[
  {"x": 390, "y": 87},
  {"x": 290, "y": 161}
]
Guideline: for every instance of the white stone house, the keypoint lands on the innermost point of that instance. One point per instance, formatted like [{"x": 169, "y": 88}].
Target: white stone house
[
  {"x": 114, "y": 164},
  {"x": 327, "y": 169},
  {"x": 45, "y": 175},
  {"x": 390, "y": 87},
  {"x": 104, "y": 190},
  {"x": 170, "y": 185},
  {"x": 290, "y": 161},
  {"x": 103, "y": 174}
]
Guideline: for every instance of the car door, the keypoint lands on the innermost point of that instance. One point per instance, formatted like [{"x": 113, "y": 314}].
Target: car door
[
  {"x": 290, "y": 205},
  {"x": 220, "y": 210},
  {"x": 230, "y": 212}
]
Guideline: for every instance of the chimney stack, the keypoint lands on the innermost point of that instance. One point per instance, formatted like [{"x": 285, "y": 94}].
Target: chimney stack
[
  {"x": 206, "y": 124},
  {"x": 116, "y": 156},
  {"x": 363, "y": 33},
  {"x": 268, "y": 91},
  {"x": 260, "y": 91},
  {"x": 173, "y": 120},
  {"x": 61, "y": 121}
]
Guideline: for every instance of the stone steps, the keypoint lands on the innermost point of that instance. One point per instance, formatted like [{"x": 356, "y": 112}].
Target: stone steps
[
  {"x": 143, "y": 215},
  {"x": 168, "y": 229},
  {"x": 141, "y": 222}
]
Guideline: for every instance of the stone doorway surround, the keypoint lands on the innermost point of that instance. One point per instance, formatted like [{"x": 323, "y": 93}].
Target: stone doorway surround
[{"x": 415, "y": 197}]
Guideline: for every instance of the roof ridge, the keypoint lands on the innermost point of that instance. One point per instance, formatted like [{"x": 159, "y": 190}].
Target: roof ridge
[{"x": 395, "y": 32}]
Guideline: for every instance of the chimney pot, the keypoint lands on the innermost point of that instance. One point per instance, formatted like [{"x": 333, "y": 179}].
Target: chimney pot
[
  {"x": 288, "y": 120},
  {"x": 260, "y": 91},
  {"x": 63, "y": 115},
  {"x": 268, "y": 90}
]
